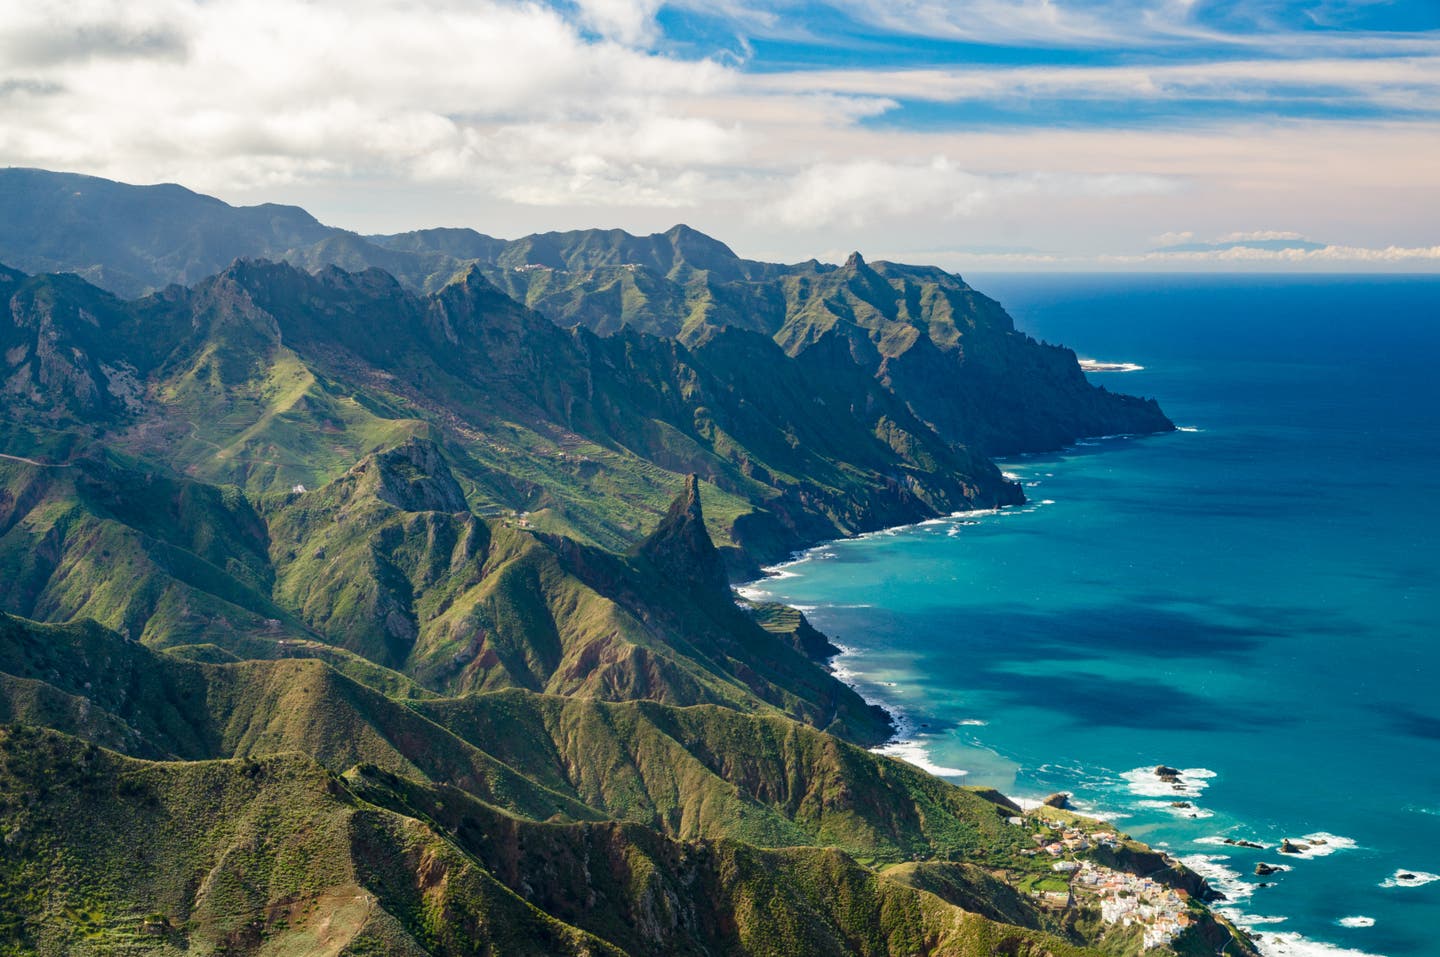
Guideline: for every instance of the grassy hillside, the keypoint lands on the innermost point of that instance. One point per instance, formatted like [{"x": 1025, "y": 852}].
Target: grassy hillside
[
  {"x": 269, "y": 378},
  {"x": 703, "y": 829},
  {"x": 362, "y": 608}
]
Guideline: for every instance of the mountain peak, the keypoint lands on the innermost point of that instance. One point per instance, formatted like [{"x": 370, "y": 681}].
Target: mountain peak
[
  {"x": 414, "y": 477},
  {"x": 699, "y": 250},
  {"x": 856, "y": 261},
  {"x": 681, "y": 546}
]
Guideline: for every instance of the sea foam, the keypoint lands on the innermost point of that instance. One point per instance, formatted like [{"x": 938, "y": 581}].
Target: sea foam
[
  {"x": 1329, "y": 844},
  {"x": 915, "y": 752},
  {"x": 1220, "y": 839},
  {"x": 1191, "y": 812},
  {"x": 1404, "y": 878},
  {"x": 1356, "y": 922},
  {"x": 1144, "y": 782},
  {"x": 1096, "y": 365},
  {"x": 1221, "y": 876},
  {"x": 1290, "y": 944}
]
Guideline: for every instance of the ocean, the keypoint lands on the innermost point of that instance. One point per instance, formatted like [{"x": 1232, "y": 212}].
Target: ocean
[{"x": 1253, "y": 599}]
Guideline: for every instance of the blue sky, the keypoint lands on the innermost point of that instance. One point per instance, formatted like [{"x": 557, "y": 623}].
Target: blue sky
[{"x": 1133, "y": 134}]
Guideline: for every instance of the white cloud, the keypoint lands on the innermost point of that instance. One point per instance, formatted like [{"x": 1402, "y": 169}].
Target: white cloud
[
  {"x": 1259, "y": 235},
  {"x": 1090, "y": 25},
  {"x": 1398, "y": 82},
  {"x": 512, "y": 116},
  {"x": 629, "y": 21},
  {"x": 1325, "y": 257},
  {"x": 269, "y": 91},
  {"x": 857, "y": 191},
  {"x": 1329, "y": 258}
]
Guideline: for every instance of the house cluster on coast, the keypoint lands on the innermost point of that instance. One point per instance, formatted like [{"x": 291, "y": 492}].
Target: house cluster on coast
[
  {"x": 1163, "y": 912},
  {"x": 1072, "y": 840}
]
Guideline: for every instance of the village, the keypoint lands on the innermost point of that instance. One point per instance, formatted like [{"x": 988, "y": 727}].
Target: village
[
  {"x": 1125, "y": 899},
  {"x": 1162, "y": 912}
]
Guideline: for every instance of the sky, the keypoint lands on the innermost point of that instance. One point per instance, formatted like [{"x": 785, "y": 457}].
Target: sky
[{"x": 972, "y": 134}]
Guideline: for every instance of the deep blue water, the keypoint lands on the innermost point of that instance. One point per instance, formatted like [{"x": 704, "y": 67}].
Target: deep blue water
[{"x": 1256, "y": 598}]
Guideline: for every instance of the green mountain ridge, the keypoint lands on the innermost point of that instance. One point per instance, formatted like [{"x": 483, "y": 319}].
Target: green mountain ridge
[
  {"x": 267, "y": 870},
  {"x": 249, "y": 379},
  {"x": 452, "y": 602},
  {"x": 371, "y": 595},
  {"x": 950, "y": 354}
]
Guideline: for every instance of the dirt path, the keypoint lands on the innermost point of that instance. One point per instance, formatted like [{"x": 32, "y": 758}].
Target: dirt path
[{"x": 43, "y": 465}]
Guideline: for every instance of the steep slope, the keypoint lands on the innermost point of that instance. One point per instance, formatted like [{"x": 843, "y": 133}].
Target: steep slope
[
  {"x": 136, "y": 239},
  {"x": 387, "y": 562},
  {"x": 267, "y": 852},
  {"x": 643, "y": 824},
  {"x": 384, "y": 573},
  {"x": 277, "y": 856},
  {"x": 649, "y": 894},
  {"x": 951, "y": 355},
  {"x": 269, "y": 378},
  {"x": 111, "y": 855},
  {"x": 954, "y": 357},
  {"x": 148, "y": 555},
  {"x": 537, "y": 757},
  {"x": 378, "y": 580}
]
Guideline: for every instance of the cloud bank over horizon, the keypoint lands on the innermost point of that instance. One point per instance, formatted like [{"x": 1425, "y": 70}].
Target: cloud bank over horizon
[{"x": 1074, "y": 132}]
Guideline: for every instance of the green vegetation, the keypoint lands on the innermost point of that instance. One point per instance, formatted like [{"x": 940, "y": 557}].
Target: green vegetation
[{"x": 351, "y": 614}]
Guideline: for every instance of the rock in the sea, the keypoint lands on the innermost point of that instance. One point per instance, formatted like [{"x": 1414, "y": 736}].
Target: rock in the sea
[
  {"x": 1167, "y": 774},
  {"x": 1181, "y": 804},
  {"x": 1263, "y": 870},
  {"x": 1250, "y": 844},
  {"x": 1288, "y": 846},
  {"x": 1405, "y": 877},
  {"x": 1060, "y": 799}
]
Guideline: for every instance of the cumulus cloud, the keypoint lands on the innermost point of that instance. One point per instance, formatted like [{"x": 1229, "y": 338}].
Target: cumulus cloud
[
  {"x": 40, "y": 35},
  {"x": 629, "y": 21},
  {"x": 572, "y": 113},
  {"x": 855, "y": 192},
  {"x": 269, "y": 91}
]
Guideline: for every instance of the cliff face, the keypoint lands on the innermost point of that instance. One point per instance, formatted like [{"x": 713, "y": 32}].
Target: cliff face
[
  {"x": 680, "y": 548},
  {"x": 948, "y": 353},
  {"x": 357, "y": 612},
  {"x": 268, "y": 377}
]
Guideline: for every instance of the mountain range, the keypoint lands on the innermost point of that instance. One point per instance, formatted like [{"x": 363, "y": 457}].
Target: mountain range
[{"x": 372, "y": 594}]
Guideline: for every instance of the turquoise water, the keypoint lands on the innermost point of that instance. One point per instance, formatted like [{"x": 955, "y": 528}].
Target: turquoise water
[{"x": 1254, "y": 600}]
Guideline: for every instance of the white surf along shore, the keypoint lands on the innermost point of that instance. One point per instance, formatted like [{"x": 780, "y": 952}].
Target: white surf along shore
[
  {"x": 1097, "y": 365},
  {"x": 1142, "y": 786}
]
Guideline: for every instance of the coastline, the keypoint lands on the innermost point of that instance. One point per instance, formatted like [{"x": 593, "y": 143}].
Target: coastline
[
  {"x": 904, "y": 743},
  {"x": 1224, "y": 873}
]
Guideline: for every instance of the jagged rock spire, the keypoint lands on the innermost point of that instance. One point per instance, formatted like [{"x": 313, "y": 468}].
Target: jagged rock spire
[{"x": 681, "y": 546}]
